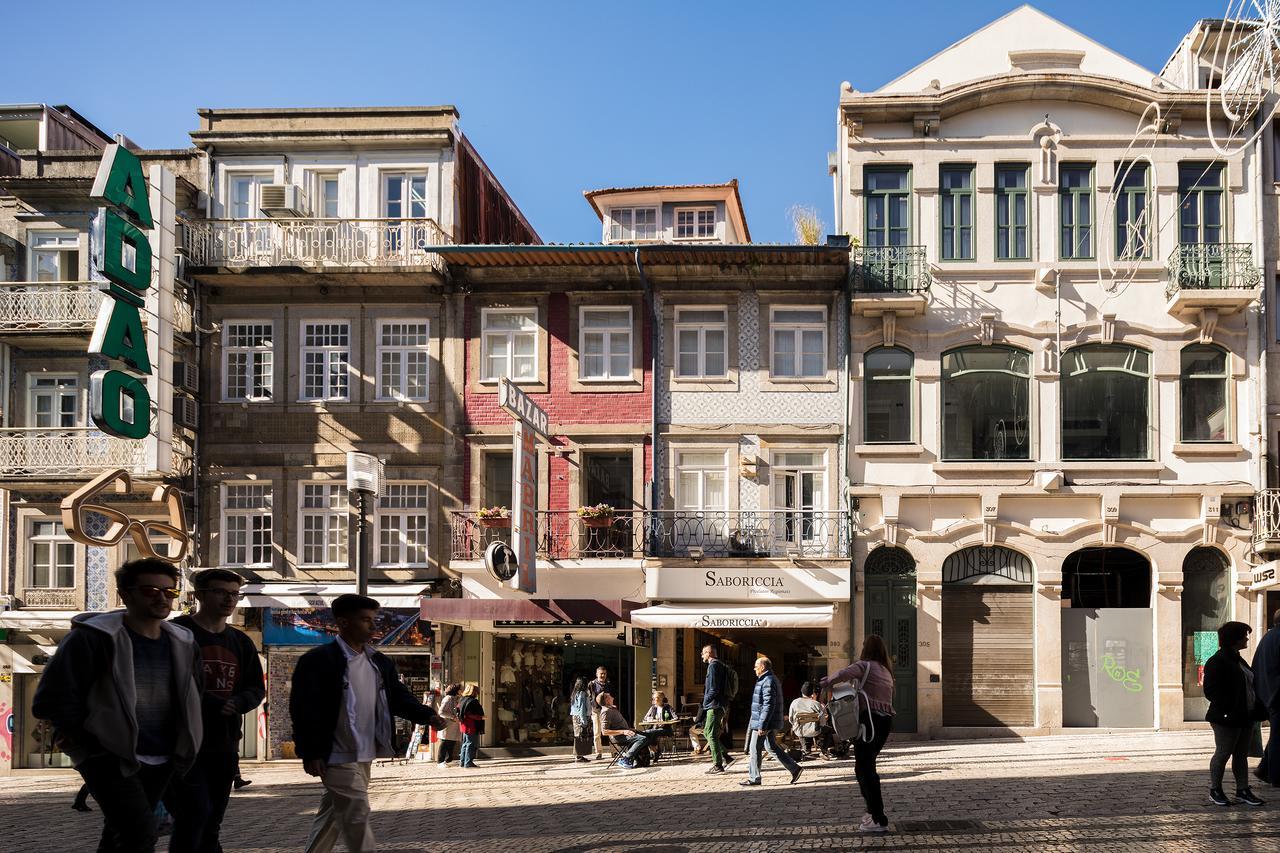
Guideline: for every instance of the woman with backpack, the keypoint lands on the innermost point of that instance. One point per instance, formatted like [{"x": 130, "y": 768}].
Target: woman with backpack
[
  {"x": 470, "y": 723},
  {"x": 873, "y": 678}
]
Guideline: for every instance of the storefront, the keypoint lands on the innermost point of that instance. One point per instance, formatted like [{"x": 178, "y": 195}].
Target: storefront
[{"x": 32, "y": 639}]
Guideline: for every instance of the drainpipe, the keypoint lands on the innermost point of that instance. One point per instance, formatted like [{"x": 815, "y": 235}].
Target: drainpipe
[
  {"x": 1264, "y": 331},
  {"x": 654, "y": 362}
]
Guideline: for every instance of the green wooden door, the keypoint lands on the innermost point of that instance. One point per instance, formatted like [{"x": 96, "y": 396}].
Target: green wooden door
[{"x": 891, "y": 602}]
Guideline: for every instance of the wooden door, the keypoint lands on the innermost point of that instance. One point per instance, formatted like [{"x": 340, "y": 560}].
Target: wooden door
[{"x": 891, "y": 613}]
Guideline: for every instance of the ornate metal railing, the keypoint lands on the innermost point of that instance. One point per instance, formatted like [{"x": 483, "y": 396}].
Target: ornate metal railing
[
  {"x": 891, "y": 270},
  {"x": 45, "y": 305},
  {"x": 1266, "y": 516},
  {"x": 314, "y": 242},
  {"x": 35, "y": 452},
  {"x": 1212, "y": 266},
  {"x": 562, "y": 535}
]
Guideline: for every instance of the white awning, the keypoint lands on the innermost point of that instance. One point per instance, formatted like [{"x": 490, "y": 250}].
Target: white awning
[
  {"x": 25, "y": 657},
  {"x": 734, "y": 616},
  {"x": 38, "y": 620},
  {"x": 299, "y": 595}
]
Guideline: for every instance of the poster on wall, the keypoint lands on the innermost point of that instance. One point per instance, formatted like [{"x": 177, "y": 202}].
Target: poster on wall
[{"x": 314, "y": 626}]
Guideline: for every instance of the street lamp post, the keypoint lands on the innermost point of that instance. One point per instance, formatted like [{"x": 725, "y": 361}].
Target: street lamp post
[{"x": 364, "y": 479}]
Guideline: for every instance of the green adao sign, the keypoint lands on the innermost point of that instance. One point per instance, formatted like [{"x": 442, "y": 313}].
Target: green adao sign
[{"x": 124, "y": 258}]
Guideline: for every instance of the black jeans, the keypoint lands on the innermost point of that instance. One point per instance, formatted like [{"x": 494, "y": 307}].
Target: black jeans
[
  {"x": 447, "y": 750},
  {"x": 128, "y": 803},
  {"x": 198, "y": 803},
  {"x": 1269, "y": 767},
  {"x": 864, "y": 767}
]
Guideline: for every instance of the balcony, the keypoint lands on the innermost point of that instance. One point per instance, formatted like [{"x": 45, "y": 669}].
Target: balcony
[
  {"x": 1266, "y": 523},
  {"x": 44, "y": 306},
  {"x": 71, "y": 452},
  {"x": 890, "y": 280},
  {"x": 319, "y": 243},
  {"x": 51, "y": 598},
  {"x": 562, "y": 535},
  {"x": 1218, "y": 277}
]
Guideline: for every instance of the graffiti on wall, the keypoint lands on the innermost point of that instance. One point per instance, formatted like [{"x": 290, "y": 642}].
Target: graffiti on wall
[{"x": 6, "y": 732}]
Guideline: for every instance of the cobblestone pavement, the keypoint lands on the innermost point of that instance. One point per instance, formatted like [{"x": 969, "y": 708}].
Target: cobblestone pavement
[{"x": 1098, "y": 791}]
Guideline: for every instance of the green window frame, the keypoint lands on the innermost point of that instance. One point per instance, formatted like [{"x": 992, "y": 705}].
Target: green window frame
[
  {"x": 1013, "y": 212},
  {"x": 1105, "y": 402},
  {"x": 889, "y": 382},
  {"x": 955, "y": 213},
  {"x": 1204, "y": 382},
  {"x": 887, "y": 201},
  {"x": 1201, "y": 210},
  {"x": 1075, "y": 211},
  {"x": 1132, "y": 190}
]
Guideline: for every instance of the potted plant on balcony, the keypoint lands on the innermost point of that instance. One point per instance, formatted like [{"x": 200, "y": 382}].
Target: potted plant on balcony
[
  {"x": 600, "y": 515},
  {"x": 494, "y": 516}
]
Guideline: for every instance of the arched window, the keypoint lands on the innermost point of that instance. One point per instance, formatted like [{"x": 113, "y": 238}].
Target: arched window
[
  {"x": 1203, "y": 384},
  {"x": 887, "y": 410},
  {"x": 1106, "y": 392},
  {"x": 985, "y": 403}
]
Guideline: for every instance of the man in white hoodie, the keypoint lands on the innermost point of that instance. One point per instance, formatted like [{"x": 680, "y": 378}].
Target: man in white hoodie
[{"x": 138, "y": 674}]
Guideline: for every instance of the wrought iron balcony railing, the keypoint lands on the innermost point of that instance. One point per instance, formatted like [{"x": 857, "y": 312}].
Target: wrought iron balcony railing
[
  {"x": 1266, "y": 517},
  {"x": 313, "y": 242},
  {"x": 38, "y": 452},
  {"x": 1212, "y": 266},
  {"x": 562, "y": 535},
  {"x": 891, "y": 270},
  {"x": 33, "y": 306}
]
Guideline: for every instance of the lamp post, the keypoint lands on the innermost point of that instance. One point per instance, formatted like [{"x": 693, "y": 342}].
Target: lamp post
[{"x": 364, "y": 479}]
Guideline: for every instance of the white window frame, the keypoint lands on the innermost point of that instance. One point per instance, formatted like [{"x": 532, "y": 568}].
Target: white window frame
[
  {"x": 626, "y": 232},
  {"x": 797, "y": 330},
  {"x": 396, "y": 518},
  {"x": 405, "y": 176},
  {"x": 402, "y": 354},
  {"x": 253, "y": 355},
  {"x": 701, "y": 328},
  {"x": 55, "y": 242},
  {"x": 779, "y": 471},
  {"x": 509, "y": 334},
  {"x": 318, "y": 178},
  {"x": 608, "y": 332},
  {"x": 701, "y": 504},
  {"x": 329, "y": 351},
  {"x": 57, "y": 393},
  {"x": 329, "y": 549},
  {"x": 257, "y": 179},
  {"x": 54, "y": 541},
  {"x": 698, "y": 224},
  {"x": 249, "y": 514}
]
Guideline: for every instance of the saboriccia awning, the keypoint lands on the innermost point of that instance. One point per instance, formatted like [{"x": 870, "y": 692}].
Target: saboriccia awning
[
  {"x": 734, "y": 616},
  {"x": 301, "y": 595},
  {"x": 38, "y": 620}
]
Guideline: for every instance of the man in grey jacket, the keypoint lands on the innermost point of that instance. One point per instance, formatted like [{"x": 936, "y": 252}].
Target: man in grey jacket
[
  {"x": 766, "y": 719},
  {"x": 138, "y": 674}
]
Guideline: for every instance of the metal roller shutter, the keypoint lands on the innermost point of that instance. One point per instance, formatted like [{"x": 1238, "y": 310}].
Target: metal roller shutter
[{"x": 988, "y": 663}]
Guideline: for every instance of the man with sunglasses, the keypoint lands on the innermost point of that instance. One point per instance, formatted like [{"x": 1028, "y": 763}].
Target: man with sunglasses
[
  {"x": 138, "y": 674},
  {"x": 233, "y": 686}
]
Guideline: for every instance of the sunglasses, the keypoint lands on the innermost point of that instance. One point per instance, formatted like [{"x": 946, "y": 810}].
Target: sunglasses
[{"x": 156, "y": 591}]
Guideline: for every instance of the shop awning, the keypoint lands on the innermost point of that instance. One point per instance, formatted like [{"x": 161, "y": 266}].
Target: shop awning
[
  {"x": 531, "y": 610},
  {"x": 734, "y": 616},
  {"x": 31, "y": 659},
  {"x": 38, "y": 620},
  {"x": 298, "y": 595}
]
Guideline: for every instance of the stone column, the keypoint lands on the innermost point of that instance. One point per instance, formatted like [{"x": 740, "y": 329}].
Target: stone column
[
  {"x": 840, "y": 637},
  {"x": 929, "y": 654},
  {"x": 1048, "y": 606},
  {"x": 1168, "y": 650}
]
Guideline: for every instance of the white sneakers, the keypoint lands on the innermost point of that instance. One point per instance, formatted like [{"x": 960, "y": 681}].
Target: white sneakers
[{"x": 869, "y": 825}]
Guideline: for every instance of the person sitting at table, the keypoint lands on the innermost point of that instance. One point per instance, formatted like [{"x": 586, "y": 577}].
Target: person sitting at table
[
  {"x": 659, "y": 712},
  {"x": 614, "y": 726}
]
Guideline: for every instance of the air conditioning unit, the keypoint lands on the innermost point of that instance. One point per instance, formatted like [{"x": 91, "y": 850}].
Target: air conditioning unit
[
  {"x": 186, "y": 376},
  {"x": 283, "y": 201},
  {"x": 186, "y": 412},
  {"x": 364, "y": 473}
]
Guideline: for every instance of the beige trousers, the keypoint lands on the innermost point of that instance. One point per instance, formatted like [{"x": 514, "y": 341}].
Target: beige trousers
[
  {"x": 344, "y": 810},
  {"x": 595, "y": 731}
]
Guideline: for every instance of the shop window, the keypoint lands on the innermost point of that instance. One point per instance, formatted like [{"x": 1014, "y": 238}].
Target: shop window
[
  {"x": 1106, "y": 577},
  {"x": 1206, "y": 593},
  {"x": 1105, "y": 402},
  {"x": 887, "y": 374},
  {"x": 986, "y": 404}
]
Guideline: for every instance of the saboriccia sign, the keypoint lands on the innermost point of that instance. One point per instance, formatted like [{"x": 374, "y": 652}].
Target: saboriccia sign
[{"x": 687, "y": 583}]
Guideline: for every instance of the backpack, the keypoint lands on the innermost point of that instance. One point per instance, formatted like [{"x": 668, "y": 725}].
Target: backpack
[
  {"x": 731, "y": 683},
  {"x": 845, "y": 714}
]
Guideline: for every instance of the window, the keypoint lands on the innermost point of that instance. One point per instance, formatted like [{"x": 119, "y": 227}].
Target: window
[
  {"x": 1204, "y": 395},
  {"x": 1012, "y": 213},
  {"x": 246, "y": 524},
  {"x": 798, "y": 479},
  {"x": 323, "y": 525},
  {"x": 402, "y": 524},
  {"x": 55, "y": 256},
  {"x": 985, "y": 403},
  {"x": 326, "y": 195},
  {"x": 695, "y": 223},
  {"x": 1075, "y": 206},
  {"x": 1133, "y": 228},
  {"x": 403, "y": 359},
  {"x": 1105, "y": 391},
  {"x": 55, "y": 402},
  {"x": 633, "y": 223},
  {"x": 604, "y": 347},
  {"x": 244, "y": 194},
  {"x": 326, "y": 360},
  {"x": 700, "y": 480},
  {"x": 799, "y": 338},
  {"x": 509, "y": 340},
  {"x": 52, "y": 556},
  {"x": 888, "y": 209},
  {"x": 1200, "y": 203},
  {"x": 497, "y": 479},
  {"x": 701, "y": 334},
  {"x": 248, "y": 367},
  {"x": 956, "y": 186},
  {"x": 404, "y": 195},
  {"x": 888, "y": 372}
]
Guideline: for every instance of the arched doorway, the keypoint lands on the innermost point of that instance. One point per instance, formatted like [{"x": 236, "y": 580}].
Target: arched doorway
[
  {"x": 1206, "y": 604},
  {"x": 988, "y": 656},
  {"x": 890, "y": 578},
  {"x": 1108, "y": 676}
]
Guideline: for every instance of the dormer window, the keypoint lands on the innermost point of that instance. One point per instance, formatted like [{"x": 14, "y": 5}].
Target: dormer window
[
  {"x": 633, "y": 223},
  {"x": 695, "y": 223}
]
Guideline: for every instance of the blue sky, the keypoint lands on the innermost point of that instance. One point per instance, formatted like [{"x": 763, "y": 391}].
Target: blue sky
[{"x": 557, "y": 97}]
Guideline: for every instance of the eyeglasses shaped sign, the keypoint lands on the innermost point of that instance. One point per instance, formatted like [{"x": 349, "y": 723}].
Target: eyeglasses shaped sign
[{"x": 78, "y": 506}]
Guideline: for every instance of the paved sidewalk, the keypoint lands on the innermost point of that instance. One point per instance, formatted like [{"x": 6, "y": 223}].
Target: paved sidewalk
[{"x": 1113, "y": 792}]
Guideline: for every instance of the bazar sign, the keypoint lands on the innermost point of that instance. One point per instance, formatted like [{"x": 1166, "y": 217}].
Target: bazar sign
[
  {"x": 757, "y": 584},
  {"x": 531, "y": 421}
]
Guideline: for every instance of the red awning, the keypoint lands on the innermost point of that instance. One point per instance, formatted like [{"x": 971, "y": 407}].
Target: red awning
[{"x": 566, "y": 610}]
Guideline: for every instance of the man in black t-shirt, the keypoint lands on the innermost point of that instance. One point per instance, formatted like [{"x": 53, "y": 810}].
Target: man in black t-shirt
[
  {"x": 597, "y": 688},
  {"x": 233, "y": 686}
]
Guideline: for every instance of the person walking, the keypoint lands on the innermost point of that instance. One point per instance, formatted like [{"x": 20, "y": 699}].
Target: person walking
[
  {"x": 804, "y": 715},
  {"x": 715, "y": 700},
  {"x": 595, "y": 688},
  {"x": 1228, "y": 685},
  {"x": 873, "y": 673},
  {"x": 470, "y": 724},
  {"x": 580, "y": 711},
  {"x": 1266, "y": 684},
  {"x": 450, "y": 734},
  {"x": 81, "y": 802},
  {"x": 123, "y": 697},
  {"x": 233, "y": 685},
  {"x": 766, "y": 719},
  {"x": 343, "y": 697}
]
